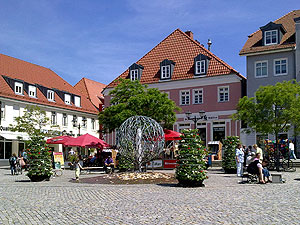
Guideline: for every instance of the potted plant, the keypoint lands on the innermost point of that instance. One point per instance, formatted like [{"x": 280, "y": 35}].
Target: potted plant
[{"x": 229, "y": 146}]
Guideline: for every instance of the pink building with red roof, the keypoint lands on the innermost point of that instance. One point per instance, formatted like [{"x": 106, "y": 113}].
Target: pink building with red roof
[{"x": 196, "y": 79}]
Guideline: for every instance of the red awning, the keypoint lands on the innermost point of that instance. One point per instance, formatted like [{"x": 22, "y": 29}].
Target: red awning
[
  {"x": 171, "y": 135},
  {"x": 87, "y": 140},
  {"x": 59, "y": 139}
]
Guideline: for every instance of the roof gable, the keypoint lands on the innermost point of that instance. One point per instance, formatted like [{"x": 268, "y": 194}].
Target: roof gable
[{"x": 181, "y": 49}]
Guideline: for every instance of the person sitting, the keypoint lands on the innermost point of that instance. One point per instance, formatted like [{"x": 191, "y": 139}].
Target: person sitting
[
  {"x": 93, "y": 160},
  {"x": 109, "y": 162},
  {"x": 256, "y": 167}
]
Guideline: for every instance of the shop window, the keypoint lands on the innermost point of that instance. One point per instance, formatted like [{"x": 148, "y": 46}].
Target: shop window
[
  {"x": 1, "y": 150},
  {"x": 8, "y": 150},
  {"x": 218, "y": 133}
]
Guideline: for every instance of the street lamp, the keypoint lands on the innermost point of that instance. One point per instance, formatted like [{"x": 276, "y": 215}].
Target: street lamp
[{"x": 195, "y": 118}]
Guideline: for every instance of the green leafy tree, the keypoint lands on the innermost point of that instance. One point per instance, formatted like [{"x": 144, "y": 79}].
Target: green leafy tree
[
  {"x": 229, "y": 147},
  {"x": 38, "y": 154},
  {"x": 190, "y": 170},
  {"x": 273, "y": 109},
  {"x": 131, "y": 98}
]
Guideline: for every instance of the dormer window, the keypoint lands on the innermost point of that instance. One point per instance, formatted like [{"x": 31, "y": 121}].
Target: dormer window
[
  {"x": 19, "y": 88},
  {"x": 165, "y": 72},
  {"x": 201, "y": 64},
  {"x": 68, "y": 99},
  {"x": 32, "y": 91},
  {"x": 271, "y": 37},
  {"x": 50, "y": 95},
  {"x": 135, "y": 71},
  {"x": 166, "y": 69},
  {"x": 134, "y": 75},
  {"x": 200, "y": 67},
  {"x": 77, "y": 101}
]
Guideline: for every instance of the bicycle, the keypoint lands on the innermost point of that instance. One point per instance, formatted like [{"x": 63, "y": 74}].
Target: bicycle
[{"x": 56, "y": 173}]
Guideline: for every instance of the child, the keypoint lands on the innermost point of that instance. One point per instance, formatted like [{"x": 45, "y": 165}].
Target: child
[{"x": 77, "y": 167}]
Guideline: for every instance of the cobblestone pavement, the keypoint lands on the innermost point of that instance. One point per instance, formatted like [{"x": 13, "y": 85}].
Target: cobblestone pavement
[{"x": 222, "y": 201}]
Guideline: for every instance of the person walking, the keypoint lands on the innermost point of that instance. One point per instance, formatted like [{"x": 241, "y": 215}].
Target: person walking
[
  {"x": 239, "y": 156},
  {"x": 77, "y": 167},
  {"x": 292, "y": 150},
  {"x": 13, "y": 162}
]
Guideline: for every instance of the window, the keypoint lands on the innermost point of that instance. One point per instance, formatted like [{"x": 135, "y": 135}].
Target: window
[
  {"x": 74, "y": 120},
  {"x": 83, "y": 121},
  {"x": 53, "y": 118},
  {"x": 32, "y": 91},
  {"x": 271, "y": 37},
  {"x": 280, "y": 66},
  {"x": 65, "y": 120},
  {"x": 77, "y": 101},
  {"x": 50, "y": 95},
  {"x": 68, "y": 99},
  {"x": 261, "y": 69},
  {"x": 2, "y": 110},
  {"x": 223, "y": 94},
  {"x": 93, "y": 124},
  {"x": 165, "y": 72},
  {"x": 198, "y": 96},
  {"x": 185, "y": 97},
  {"x": 200, "y": 67},
  {"x": 18, "y": 88},
  {"x": 134, "y": 74}
]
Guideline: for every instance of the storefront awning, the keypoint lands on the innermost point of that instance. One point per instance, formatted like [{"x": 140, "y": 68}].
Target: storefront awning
[{"x": 13, "y": 136}]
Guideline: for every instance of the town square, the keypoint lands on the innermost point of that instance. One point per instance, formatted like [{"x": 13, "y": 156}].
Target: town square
[{"x": 149, "y": 112}]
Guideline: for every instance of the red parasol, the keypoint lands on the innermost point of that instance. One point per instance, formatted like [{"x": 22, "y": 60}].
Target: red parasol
[
  {"x": 87, "y": 140},
  {"x": 171, "y": 135},
  {"x": 59, "y": 139}
]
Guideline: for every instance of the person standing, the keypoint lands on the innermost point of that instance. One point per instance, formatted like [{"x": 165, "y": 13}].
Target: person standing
[
  {"x": 258, "y": 150},
  {"x": 292, "y": 150},
  {"x": 13, "y": 162},
  {"x": 239, "y": 156}
]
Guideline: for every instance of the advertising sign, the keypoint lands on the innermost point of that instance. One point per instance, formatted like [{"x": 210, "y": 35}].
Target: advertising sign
[
  {"x": 58, "y": 160},
  {"x": 155, "y": 164},
  {"x": 170, "y": 163}
]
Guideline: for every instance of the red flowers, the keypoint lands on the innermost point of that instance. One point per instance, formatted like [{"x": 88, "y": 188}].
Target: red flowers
[{"x": 39, "y": 153}]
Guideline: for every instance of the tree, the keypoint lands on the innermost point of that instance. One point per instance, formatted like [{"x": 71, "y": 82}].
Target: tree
[
  {"x": 131, "y": 98},
  {"x": 38, "y": 154},
  {"x": 191, "y": 160},
  {"x": 229, "y": 146},
  {"x": 273, "y": 110}
]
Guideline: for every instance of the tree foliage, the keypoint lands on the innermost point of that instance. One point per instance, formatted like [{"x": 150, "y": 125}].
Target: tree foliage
[
  {"x": 131, "y": 98},
  {"x": 273, "y": 109}
]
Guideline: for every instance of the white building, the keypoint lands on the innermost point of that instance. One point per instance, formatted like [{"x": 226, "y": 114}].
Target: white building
[{"x": 22, "y": 84}]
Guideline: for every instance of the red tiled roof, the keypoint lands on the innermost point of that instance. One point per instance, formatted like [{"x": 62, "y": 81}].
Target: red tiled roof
[
  {"x": 92, "y": 89},
  {"x": 181, "y": 49},
  {"x": 287, "y": 22},
  {"x": 35, "y": 74}
]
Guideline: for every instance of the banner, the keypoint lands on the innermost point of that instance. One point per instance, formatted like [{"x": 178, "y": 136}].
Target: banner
[{"x": 58, "y": 160}]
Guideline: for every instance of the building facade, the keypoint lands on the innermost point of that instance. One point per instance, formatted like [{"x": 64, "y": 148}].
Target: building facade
[
  {"x": 195, "y": 79},
  {"x": 273, "y": 55},
  {"x": 25, "y": 84}
]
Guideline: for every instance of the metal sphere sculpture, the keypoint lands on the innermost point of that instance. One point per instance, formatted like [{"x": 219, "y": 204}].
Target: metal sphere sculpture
[{"x": 140, "y": 138}]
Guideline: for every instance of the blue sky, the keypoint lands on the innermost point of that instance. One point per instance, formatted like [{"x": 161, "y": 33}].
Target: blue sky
[{"x": 99, "y": 39}]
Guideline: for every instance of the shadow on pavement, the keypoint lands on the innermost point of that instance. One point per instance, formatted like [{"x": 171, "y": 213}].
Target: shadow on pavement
[
  {"x": 22, "y": 181},
  {"x": 168, "y": 185}
]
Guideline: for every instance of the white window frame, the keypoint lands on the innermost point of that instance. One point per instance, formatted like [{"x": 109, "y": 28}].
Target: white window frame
[
  {"x": 279, "y": 74},
  {"x": 93, "y": 122},
  {"x": 201, "y": 64},
  {"x": 77, "y": 101},
  {"x": 68, "y": 100},
  {"x": 2, "y": 110},
  {"x": 164, "y": 70},
  {"x": 255, "y": 63},
  {"x": 84, "y": 122},
  {"x": 185, "y": 95},
  {"x": 134, "y": 74},
  {"x": 32, "y": 91},
  {"x": 50, "y": 95},
  {"x": 18, "y": 88},
  {"x": 53, "y": 118},
  {"x": 194, "y": 96},
  {"x": 219, "y": 93},
  {"x": 272, "y": 43}
]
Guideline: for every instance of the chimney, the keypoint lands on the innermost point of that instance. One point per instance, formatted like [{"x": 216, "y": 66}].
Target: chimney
[
  {"x": 297, "y": 35},
  {"x": 209, "y": 44},
  {"x": 190, "y": 34}
]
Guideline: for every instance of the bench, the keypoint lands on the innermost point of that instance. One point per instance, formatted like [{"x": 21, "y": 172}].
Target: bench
[{"x": 89, "y": 169}]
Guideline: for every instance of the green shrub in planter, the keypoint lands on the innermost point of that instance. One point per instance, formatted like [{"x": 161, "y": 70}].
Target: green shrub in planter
[
  {"x": 229, "y": 146},
  {"x": 190, "y": 170}
]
